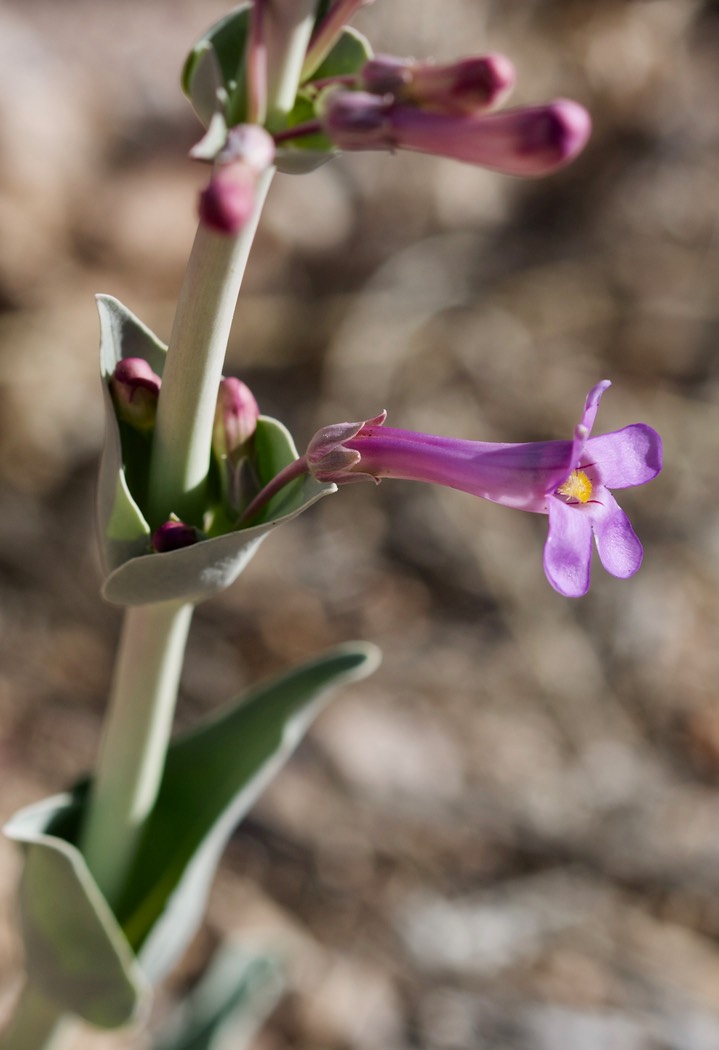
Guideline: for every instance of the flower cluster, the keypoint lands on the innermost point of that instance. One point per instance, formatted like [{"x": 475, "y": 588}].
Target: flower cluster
[
  {"x": 445, "y": 110},
  {"x": 349, "y": 99}
]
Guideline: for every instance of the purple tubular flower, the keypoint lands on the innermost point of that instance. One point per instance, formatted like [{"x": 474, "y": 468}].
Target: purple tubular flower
[
  {"x": 527, "y": 141},
  {"x": 471, "y": 85},
  {"x": 570, "y": 481}
]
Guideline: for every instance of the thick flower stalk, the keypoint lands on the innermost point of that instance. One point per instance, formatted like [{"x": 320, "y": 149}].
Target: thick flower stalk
[{"x": 570, "y": 481}]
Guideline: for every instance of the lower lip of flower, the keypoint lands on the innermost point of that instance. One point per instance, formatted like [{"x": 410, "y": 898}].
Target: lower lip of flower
[{"x": 577, "y": 488}]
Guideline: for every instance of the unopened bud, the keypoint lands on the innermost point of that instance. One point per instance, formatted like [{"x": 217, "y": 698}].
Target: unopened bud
[
  {"x": 173, "y": 535},
  {"x": 235, "y": 418},
  {"x": 471, "y": 85},
  {"x": 527, "y": 141},
  {"x": 135, "y": 389},
  {"x": 228, "y": 200}
]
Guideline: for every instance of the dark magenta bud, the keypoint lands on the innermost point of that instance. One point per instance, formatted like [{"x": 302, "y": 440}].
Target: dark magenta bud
[
  {"x": 173, "y": 535},
  {"x": 228, "y": 200}
]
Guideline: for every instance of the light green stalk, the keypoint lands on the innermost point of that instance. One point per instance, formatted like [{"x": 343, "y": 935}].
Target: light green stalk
[
  {"x": 134, "y": 744},
  {"x": 288, "y": 29},
  {"x": 195, "y": 356}
]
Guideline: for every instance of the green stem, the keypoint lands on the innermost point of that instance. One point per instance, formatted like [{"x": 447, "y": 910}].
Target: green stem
[
  {"x": 36, "y": 1024},
  {"x": 297, "y": 469},
  {"x": 137, "y": 732},
  {"x": 195, "y": 357},
  {"x": 288, "y": 31}
]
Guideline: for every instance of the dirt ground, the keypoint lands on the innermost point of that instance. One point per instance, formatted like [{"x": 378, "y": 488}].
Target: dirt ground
[{"x": 508, "y": 837}]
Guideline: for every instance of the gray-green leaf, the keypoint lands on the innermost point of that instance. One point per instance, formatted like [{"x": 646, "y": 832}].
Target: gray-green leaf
[
  {"x": 212, "y": 777},
  {"x": 74, "y": 948},
  {"x": 227, "y": 1006}
]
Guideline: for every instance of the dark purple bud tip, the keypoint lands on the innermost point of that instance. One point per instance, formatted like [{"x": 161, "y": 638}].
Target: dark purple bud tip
[
  {"x": 481, "y": 83},
  {"x": 135, "y": 389},
  {"x": 556, "y": 133},
  {"x": 173, "y": 535}
]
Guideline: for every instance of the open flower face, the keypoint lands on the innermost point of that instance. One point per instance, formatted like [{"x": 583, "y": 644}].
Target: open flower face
[
  {"x": 583, "y": 504},
  {"x": 570, "y": 481}
]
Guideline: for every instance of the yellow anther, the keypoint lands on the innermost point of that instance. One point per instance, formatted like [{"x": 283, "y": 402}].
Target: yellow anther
[{"x": 577, "y": 486}]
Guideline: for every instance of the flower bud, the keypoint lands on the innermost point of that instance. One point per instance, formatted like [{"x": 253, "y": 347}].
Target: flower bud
[
  {"x": 529, "y": 141},
  {"x": 471, "y": 85},
  {"x": 235, "y": 418},
  {"x": 173, "y": 535},
  {"x": 135, "y": 389},
  {"x": 228, "y": 200}
]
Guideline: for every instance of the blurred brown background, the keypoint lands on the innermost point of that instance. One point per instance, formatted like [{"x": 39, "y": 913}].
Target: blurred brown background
[{"x": 508, "y": 838}]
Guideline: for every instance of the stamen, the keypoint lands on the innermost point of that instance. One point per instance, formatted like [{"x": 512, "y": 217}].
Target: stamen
[{"x": 577, "y": 487}]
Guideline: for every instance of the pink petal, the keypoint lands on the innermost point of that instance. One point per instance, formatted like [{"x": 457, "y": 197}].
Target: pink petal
[
  {"x": 568, "y": 550},
  {"x": 627, "y": 457},
  {"x": 592, "y": 403},
  {"x": 619, "y": 549},
  {"x": 583, "y": 429}
]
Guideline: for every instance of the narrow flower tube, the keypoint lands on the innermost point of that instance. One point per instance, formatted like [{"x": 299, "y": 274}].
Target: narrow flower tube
[
  {"x": 570, "y": 481},
  {"x": 527, "y": 141},
  {"x": 471, "y": 85}
]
